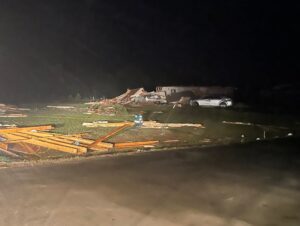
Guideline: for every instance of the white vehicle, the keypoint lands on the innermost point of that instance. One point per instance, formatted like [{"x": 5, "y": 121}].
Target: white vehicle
[{"x": 212, "y": 101}]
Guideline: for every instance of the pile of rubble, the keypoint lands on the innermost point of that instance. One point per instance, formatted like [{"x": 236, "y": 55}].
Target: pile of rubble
[
  {"x": 139, "y": 95},
  {"x": 7, "y": 111},
  {"x": 131, "y": 96},
  {"x": 106, "y": 109}
]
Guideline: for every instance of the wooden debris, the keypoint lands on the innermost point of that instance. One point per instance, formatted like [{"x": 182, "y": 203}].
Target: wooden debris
[
  {"x": 24, "y": 129},
  {"x": 106, "y": 124},
  {"x": 10, "y": 111},
  {"x": 103, "y": 138},
  {"x": 30, "y": 139},
  {"x": 253, "y": 124},
  {"x": 157, "y": 125},
  {"x": 13, "y": 116},
  {"x": 171, "y": 141},
  {"x": 7, "y": 125},
  {"x": 135, "y": 144},
  {"x": 146, "y": 124},
  {"x": 60, "y": 107}
]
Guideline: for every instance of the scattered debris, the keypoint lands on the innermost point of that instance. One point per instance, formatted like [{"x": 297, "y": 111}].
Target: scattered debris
[
  {"x": 154, "y": 124},
  {"x": 146, "y": 124},
  {"x": 7, "y": 125},
  {"x": 61, "y": 107},
  {"x": 253, "y": 124},
  {"x": 13, "y": 116},
  {"x": 107, "y": 110},
  {"x": 139, "y": 95},
  {"x": 131, "y": 95},
  {"x": 10, "y": 111},
  {"x": 184, "y": 101},
  {"x": 171, "y": 141},
  {"x": 91, "y": 103},
  {"x": 206, "y": 140},
  {"x": 106, "y": 124},
  {"x": 239, "y": 123}
]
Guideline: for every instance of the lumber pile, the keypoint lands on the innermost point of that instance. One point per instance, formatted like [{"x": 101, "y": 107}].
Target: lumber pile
[{"x": 40, "y": 136}]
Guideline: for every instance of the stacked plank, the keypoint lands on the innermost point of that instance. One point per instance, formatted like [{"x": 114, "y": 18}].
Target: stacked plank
[
  {"x": 41, "y": 137},
  {"x": 37, "y": 136}
]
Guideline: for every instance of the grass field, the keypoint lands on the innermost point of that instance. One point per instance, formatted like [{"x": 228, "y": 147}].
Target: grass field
[{"x": 69, "y": 121}]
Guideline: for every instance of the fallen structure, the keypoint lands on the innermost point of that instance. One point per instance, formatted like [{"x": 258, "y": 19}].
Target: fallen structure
[
  {"x": 30, "y": 137},
  {"x": 139, "y": 95}
]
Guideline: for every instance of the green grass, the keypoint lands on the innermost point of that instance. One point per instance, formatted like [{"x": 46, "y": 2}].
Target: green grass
[
  {"x": 65, "y": 121},
  {"x": 69, "y": 121}
]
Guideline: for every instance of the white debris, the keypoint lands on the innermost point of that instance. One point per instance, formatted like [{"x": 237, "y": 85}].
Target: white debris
[{"x": 60, "y": 107}]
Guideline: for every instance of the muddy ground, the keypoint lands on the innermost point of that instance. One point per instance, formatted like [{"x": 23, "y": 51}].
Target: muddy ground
[{"x": 246, "y": 184}]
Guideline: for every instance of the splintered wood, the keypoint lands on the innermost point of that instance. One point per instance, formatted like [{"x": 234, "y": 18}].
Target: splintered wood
[
  {"x": 38, "y": 136},
  {"x": 154, "y": 124},
  {"x": 146, "y": 124}
]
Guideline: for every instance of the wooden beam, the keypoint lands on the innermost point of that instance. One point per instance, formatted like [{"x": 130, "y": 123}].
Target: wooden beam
[
  {"x": 9, "y": 153},
  {"x": 12, "y": 137},
  {"x": 112, "y": 133},
  {"x": 54, "y": 146},
  {"x": 106, "y": 124},
  {"x": 80, "y": 140},
  {"x": 135, "y": 144},
  {"x": 103, "y": 145},
  {"x": 27, "y": 147},
  {"x": 14, "y": 130},
  {"x": 80, "y": 149},
  {"x": 4, "y": 146},
  {"x": 37, "y": 134}
]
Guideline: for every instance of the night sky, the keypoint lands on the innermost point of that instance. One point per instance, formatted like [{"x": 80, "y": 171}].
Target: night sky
[{"x": 51, "y": 49}]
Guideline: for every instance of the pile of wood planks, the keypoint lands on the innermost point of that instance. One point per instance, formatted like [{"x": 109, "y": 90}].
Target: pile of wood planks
[{"x": 42, "y": 137}]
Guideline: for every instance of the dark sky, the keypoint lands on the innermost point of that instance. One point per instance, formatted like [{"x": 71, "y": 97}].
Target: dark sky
[{"x": 50, "y": 49}]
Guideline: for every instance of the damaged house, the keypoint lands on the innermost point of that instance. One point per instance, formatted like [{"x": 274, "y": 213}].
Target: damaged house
[
  {"x": 140, "y": 95},
  {"x": 175, "y": 93}
]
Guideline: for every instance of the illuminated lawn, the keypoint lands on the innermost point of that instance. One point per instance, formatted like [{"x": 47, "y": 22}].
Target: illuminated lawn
[{"x": 69, "y": 121}]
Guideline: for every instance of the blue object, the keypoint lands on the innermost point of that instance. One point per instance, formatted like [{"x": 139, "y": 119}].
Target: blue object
[{"x": 138, "y": 120}]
